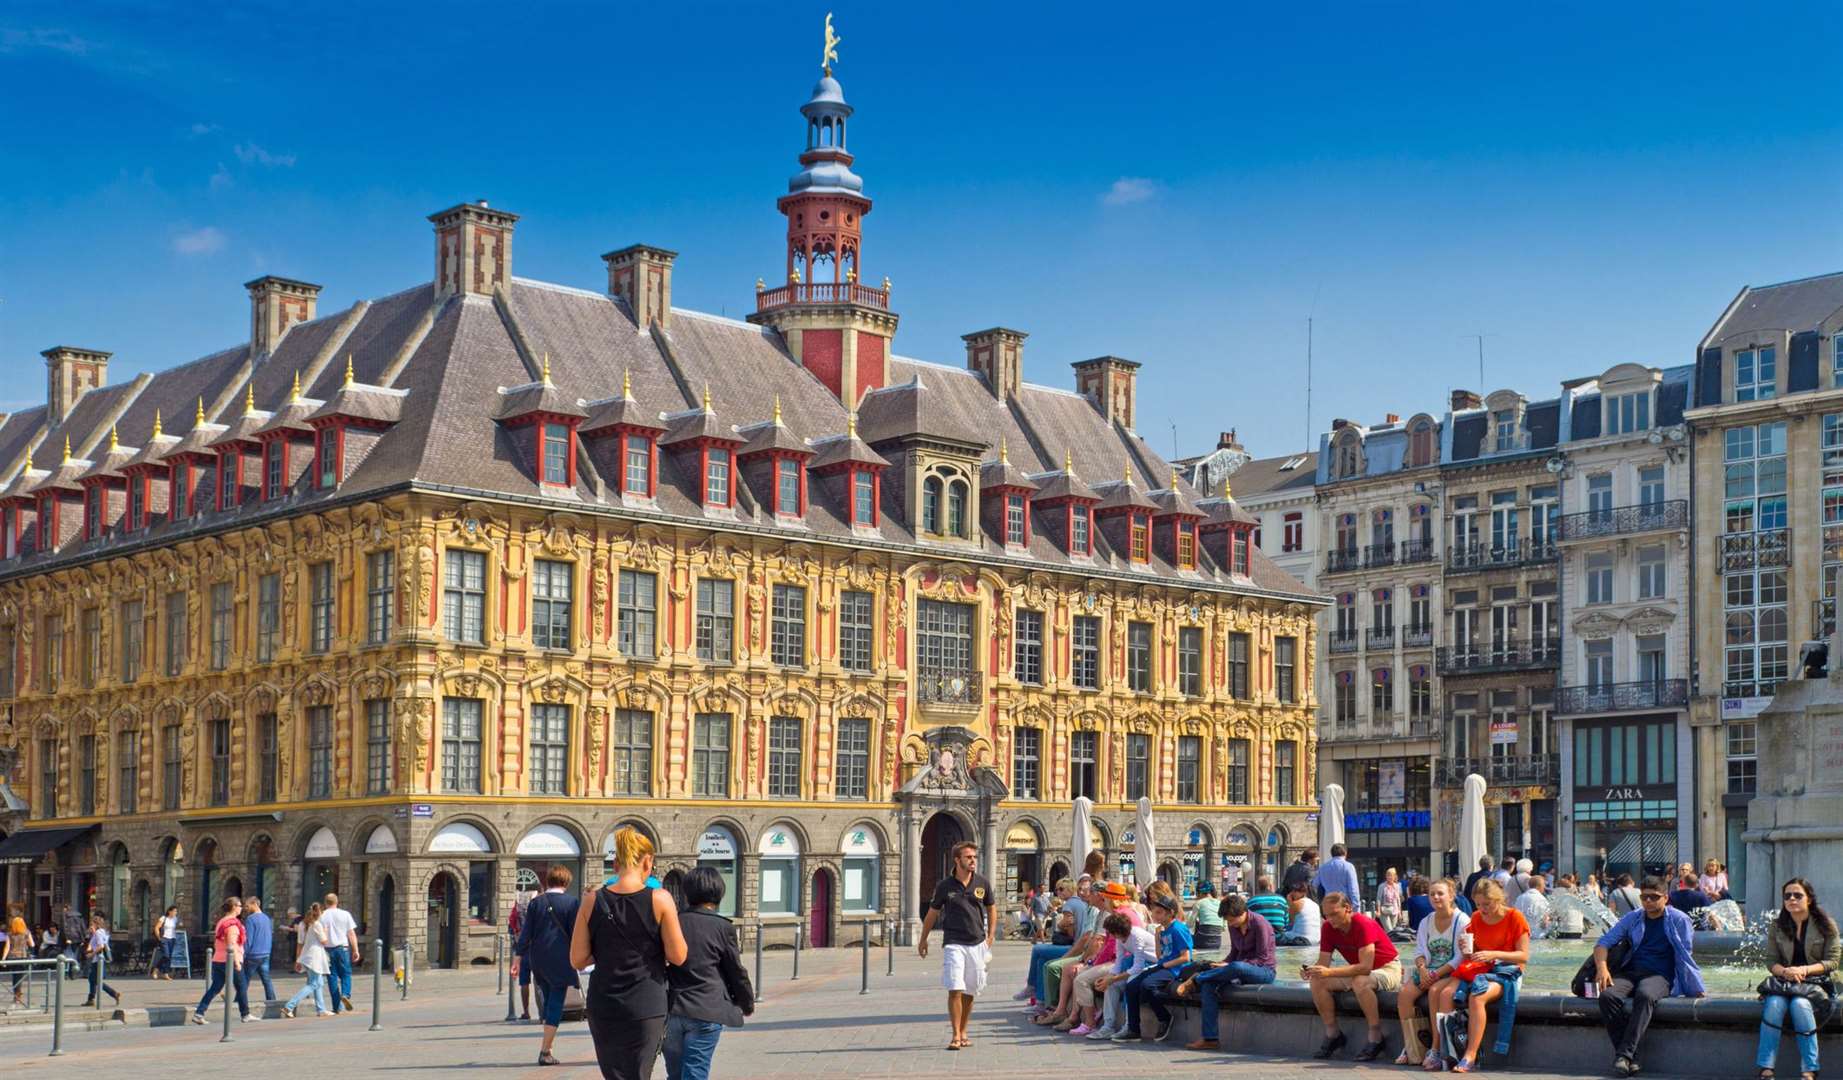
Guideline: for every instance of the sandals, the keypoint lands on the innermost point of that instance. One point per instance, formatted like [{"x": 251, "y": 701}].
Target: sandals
[
  {"x": 1403, "y": 1058},
  {"x": 1465, "y": 1065}
]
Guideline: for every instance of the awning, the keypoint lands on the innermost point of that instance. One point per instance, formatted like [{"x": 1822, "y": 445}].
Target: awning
[{"x": 28, "y": 845}]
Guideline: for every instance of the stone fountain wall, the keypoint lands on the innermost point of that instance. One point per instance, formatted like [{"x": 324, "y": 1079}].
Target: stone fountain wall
[{"x": 1795, "y": 821}]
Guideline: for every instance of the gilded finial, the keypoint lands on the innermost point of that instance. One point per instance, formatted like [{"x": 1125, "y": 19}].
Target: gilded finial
[
  {"x": 1174, "y": 478},
  {"x": 1004, "y": 450},
  {"x": 546, "y": 369},
  {"x": 627, "y": 383},
  {"x": 851, "y": 274},
  {"x": 199, "y": 416},
  {"x": 67, "y": 449},
  {"x": 1128, "y": 474},
  {"x": 1225, "y": 487},
  {"x": 777, "y": 410},
  {"x": 295, "y": 394},
  {"x": 1068, "y": 462},
  {"x": 157, "y": 432},
  {"x": 830, "y": 53},
  {"x": 115, "y": 441},
  {"x": 348, "y": 369},
  {"x": 760, "y": 285},
  {"x": 794, "y": 276},
  {"x": 707, "y": 396},
  {"x": 886, "y": 283},
  {"x": 851, "y": 424},
  {"x": 249, "y": 397},
  {"x": 28, "y": 459}
]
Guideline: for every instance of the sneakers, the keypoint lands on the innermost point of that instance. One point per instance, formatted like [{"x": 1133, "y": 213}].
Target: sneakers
[
  {"x": 250, "y": 1018},
  {"x": 1164, "y": 1030},
  {"x": 1202, "y": 1044},
  {"x": 1625, "y": 1066},
  {"x": 1373, "y": 1050},
  {"x": 1102, "y": 1034},
  {"x": 287, "y": 1013},
  {"x": 347, "y": 1001},
  {"x": 1127, "y": 1036},
  {"x": 198, "y": 1018},
  {"x": 1023, "y": 995}
]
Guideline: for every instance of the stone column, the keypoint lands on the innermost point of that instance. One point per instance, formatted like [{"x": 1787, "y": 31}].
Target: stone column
[{"x": 910, "y": 854}]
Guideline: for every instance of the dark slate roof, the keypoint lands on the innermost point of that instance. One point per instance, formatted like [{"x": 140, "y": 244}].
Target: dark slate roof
[
  {"x": 199, "y": 440},
  {"x": 1791, "y": 305},
  {"x": 1544, "y": 421},
  {"x": 1121, "y": 495},
  {"x": 771, "y": 435},
  {"x": 515, "y": 401},
  {"x": 291, "y": 416},
  {"x": 16, "y": 433},
  {"x": 153, "y": 451},
  {"x": 913, "y": 408},
  {"x": 1173, "y": 500},
  {"x": 110, "y": 463},
  {"x": 1002, "y": 473},
  {"x": 1063, "y": 484},
  {"x": 1468, "y": 435},
  {"x": 616, "y": 411},
  {"x": 1264, "y": 475},
  {"x": 1223, "y": 511},
  {"x": 24, "y": 481},
  {"x": 696, "y": 424},
  {"x": 846, "y": 449},
  {"x": 1673, "y": 394},
  {"x": 243, "y": 428}
]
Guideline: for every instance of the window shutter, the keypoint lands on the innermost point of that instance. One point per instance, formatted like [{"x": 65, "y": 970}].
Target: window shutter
[{"x": 1802, "y": 372}]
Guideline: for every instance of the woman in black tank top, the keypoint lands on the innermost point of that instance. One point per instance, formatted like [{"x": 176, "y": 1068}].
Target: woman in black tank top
[{"x": 630, "y": 933}]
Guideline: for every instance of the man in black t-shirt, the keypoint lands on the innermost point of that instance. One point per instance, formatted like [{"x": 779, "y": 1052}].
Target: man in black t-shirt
[{"x": 963, "y": 904}]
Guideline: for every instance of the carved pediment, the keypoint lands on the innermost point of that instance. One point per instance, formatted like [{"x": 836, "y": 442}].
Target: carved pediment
[
  {"x": 1650, "y": 620},
  {"x": 1596, "y": 626}
]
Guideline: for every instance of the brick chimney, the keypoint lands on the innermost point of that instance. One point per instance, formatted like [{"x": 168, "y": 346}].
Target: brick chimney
[
  {"x": 998, "y": 354},
  {"x": 1465, "y": 399},
  {"x": 277, "y": 303},
  {"x": 1339, "y": 424},
  {"x": 1228, "y": 441},
  {"x": 1110, "y": 384},
  {"x": 1391, "y": 418},
  {"x": 69, "y": 373},
  {"x": 642, "y": 276},
  {"x": 473, "y": 249}
]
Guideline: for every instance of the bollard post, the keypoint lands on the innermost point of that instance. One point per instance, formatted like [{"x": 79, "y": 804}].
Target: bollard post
[
  {"x": 761, "y": 988},
  {"x": 797, "y": 936},
  {"x": 377, "y": 985},
  {"x": 511, "y": 996},
  {"x": 102, "y": 976},
  {"x": 57, "y": 1011},
  {"x": 230, "y": 991},
  {"x": 499, "y": 964},
  {"x": 889, "y": 945},
  {"x": 864, "y": 983},
  {"x": 406, "y": 972}
]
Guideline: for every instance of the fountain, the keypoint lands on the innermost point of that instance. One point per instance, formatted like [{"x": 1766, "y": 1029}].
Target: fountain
[{"x": 1795, "y": 821}]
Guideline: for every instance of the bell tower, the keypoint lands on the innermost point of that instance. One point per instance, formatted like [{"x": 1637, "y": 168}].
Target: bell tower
[{"x": 837, "y": 327}]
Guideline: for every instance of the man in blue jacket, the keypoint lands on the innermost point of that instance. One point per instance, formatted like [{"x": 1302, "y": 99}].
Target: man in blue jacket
[
  {"x": 259, "y": 940},
  {"x": 1660, "y": 963},
  {"x": 544, "y": 946}
]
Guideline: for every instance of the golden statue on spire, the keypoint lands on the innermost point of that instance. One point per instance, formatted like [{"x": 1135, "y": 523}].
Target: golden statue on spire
[{"x": 830, "y": 55}]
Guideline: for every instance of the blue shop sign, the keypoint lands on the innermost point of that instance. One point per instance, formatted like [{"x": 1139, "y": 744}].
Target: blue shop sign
[{"x": 1375, "y": 820}]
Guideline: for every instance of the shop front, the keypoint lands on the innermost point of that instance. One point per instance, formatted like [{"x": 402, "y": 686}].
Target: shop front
[
  {"x": 1623, "y": 792},
  {"x": 1389, "y": 819},
  {"x": 540, "y": 849},
  {"x": 1195, "y": 860},
  {"x": 1023, "y": 859}
]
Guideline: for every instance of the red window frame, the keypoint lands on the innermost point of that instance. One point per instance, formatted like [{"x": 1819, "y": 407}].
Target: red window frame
[
  {"x": 1139, "y": 538},
  {"x": 1085, "y": 544},
  {"x": 858, "y": 476}
]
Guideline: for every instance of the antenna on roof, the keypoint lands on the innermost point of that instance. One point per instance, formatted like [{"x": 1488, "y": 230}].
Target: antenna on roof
[
  {"x": 1310, "y": 312},
  {"x": 1480, "y": 338}
]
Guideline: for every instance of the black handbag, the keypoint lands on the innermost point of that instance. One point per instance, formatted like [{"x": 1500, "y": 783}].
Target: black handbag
[
  {"x": 1615, "y": 959},
  {"x": 1820, "y": 992}
]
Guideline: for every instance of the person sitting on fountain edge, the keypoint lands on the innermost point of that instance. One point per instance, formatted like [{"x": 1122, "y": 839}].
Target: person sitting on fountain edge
[
  {"x": 1661, "y": 963},
  {"x": 1688, "y": 898},
  {"x": 1306, "y": 917},
  {"x": 1250, "y": 962},
  {"x": 1420, "y": 901},
  {"x": 1268, "y": 904},
  {"x": 1371, "y": 963}
]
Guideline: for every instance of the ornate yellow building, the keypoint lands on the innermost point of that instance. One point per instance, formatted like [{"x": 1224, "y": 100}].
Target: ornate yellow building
[{"x": 503, "y": 565}]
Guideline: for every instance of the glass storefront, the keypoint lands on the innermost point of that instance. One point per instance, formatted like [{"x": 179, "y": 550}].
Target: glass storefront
[{"x": 1625, "y": 797}]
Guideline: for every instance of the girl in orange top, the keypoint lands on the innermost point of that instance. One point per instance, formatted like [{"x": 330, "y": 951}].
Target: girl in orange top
[{"x": 1500, "y": 935}]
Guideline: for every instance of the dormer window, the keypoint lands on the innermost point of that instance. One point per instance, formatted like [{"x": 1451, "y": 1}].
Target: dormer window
[
  {"x": 1186, "y": 546},
  {"x": 176, "y": 490},
  {"x": 863, "y": 497},
  {"x": 1628, "y": 413},
  {"x": 326, "y": 458},
  {"x": 716, "y": 476},
  {"x": 47, "y": 520},
  {"x": 206, "y": 489},
  {"x": 137, "y": 503},
  {"x": 1756, "y": 374},
  {"x": 1506, "y": 421},
  {"x": 787, "y": 487},
  {"x": 1423, "y": 445},
  {"x": 1238, "y": 553},
  {"x": 956, "y": 509},
  {"x": 637, "y": 476},
  {"x": 1017, "y": 529},
  {"x": 230, "y": 475},
  {"x": 1140, "y": 549},
  {"x": 555, "y": 453},
  {"x": 93, "y": 502},
  {"x": 274, "y": 468},
  {"x": 9, "y": 525},
  {"x": 1080, "y": 520}
]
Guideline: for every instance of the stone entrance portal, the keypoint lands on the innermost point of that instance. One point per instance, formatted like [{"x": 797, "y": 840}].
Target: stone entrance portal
[{"x": 945, "y": 802}]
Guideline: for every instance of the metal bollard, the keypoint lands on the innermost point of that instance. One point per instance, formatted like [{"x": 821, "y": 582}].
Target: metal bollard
[
  {"x": 889, "y": 945},
  {"x": 230, "y": 991},
  {"x": 511, "y": 995},
  {"x": 406, "y": 971},
  {"x": 864, "y": 983},
  {"x": 377, "y": 984},
  {"x": 761, "y": 988},
  {"x": 797, "y": 936},
  {"x": 499, "y": 964},
  {"x": 57, "y": 1011},
  {"x": 102, "y": 976}
]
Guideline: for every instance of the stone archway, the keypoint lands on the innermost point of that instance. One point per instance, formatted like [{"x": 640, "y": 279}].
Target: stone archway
[
  {"x": 938, "y": 838},
  {"x": 946, "y": 800}
]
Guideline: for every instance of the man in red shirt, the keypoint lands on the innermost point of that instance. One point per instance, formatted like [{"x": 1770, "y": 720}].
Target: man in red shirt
[{"x": 1370, "y": 964}]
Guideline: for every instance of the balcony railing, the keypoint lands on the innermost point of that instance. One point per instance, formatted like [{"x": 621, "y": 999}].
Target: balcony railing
[
  {"x": 1622, "y": 697},
  {"x": 1413, "y": 637},
  {"x": 947, "y": 688},
  {"x": 1494, "y": 657},
  {"x": 1339, "y": 561},
  {"x": 1389, "y": 726},
  {"x": 1379, "y": 555},
  {"x": 1341, "y": 643},
  {"x": 822, "y": 292},
  {"x": 1520, "y": 552},
  {"x": 1625, "y": 520},
  {"x": 1380, "y": 637},
  {"x": 1767, "y": 548},
  {"x": 1526, "y": 769},
  {"x": 1413, "y": 551},
  {"x": 1751, "y": 688}
]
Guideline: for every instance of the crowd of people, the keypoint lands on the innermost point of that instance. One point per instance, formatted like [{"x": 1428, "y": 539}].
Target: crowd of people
[{"x": 1454, "y": 955}]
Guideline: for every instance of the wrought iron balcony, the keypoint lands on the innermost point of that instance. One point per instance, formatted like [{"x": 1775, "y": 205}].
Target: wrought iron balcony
[
  {"x": 1751, "y": 688},
  {"x": 1522, "y": 551},
  {"x": 1341, "y": 643},
  {"x": 822, "y": 292},
  {"x": 1387, "y": 726},
  {"x": 1379, "y": 637},
  {"x": 1496, "y": 657},
  {"x": 947, "y": 688},
  {"x": 1767, "y": 548},
  {"x": 1622, "y": 697},
  {"x": 1340, "y": 561},
  {"x": 1379, "y": 555},
  {"x": 1416, "y": 637},
  {"x": 1415, "y": 551},
  {"x": 1525, "y": 769},
  {"x": 1626, "y": 520}
]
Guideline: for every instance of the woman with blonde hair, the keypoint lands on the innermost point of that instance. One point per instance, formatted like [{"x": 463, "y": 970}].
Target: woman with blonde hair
[
  {"x": 1499, "y": 938},
  {"x": 630, "y": 932},
  {"x": 312, "y": 959}
]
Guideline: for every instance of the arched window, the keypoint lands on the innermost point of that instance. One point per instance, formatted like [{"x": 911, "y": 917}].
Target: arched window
[
  {"x": 1344, "y": 462},
  {"x": 931, "y": 505},
  {"x": 1421, "y": 449},
  {"x": 956, "y": 509}
]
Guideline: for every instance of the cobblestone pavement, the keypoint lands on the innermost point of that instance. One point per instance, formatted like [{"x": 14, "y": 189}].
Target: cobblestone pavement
[{"x": 453, "y": 1026}]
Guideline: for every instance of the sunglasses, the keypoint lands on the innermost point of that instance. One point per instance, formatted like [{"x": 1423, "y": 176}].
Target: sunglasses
[
  {"x": 1792, "y": 896},
  {"x": 1651, "y": 897}
]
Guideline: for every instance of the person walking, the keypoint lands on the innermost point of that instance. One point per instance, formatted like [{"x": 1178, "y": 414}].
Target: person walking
[
  {"x": 341, "y": 951},
  {"x": 962, "y": 904},
  {"x": 543, "y": 948},
  {"x": 168, "y": 934},
  {"x": 1802, "y": 949},
  {"x": 1250, "y": 962},
  {"x": 18, "y": 946},
  {"x": 311, "y": 958},
  {"x": 259, "y": 940},
  {"x": 710, "y": 990},
  {"x": 1337, "y": 875},
  {"x": 226, "y": 959},
  {"x": 630, "y": 932},
  {"x": 1661, "y": 963},
  {"x": 1300, "y": 872},
  {"x": 95, "y": 951},
  {"x": 515, "y": 926}
]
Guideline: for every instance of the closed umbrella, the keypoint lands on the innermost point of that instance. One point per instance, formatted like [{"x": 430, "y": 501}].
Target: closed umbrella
[
  {"x": 1472, "y": 824},
  {"x": 1145, "y": 848},
  {"x": 1084, "y": 825},
  {"x": 1331, "y": 816}
]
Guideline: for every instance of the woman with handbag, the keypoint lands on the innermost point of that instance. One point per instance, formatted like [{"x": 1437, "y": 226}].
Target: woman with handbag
[
  {"x": 629, "y": 931},
  {"x": 1805, "y": 950},
  {"x": 543, "y": 946},
  {"x": 710, "y": 991}
]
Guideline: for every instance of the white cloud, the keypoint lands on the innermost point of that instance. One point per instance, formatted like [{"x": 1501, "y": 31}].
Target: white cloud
[
  {"x": 202, "y": 128},
  {"x": 251, "y": 154},
  {"x": 1128, "y": 190},
  {"x": 205, "y": 241},
  {"x": 14, "y": 40},
  {"x": 221, "y": 179}
]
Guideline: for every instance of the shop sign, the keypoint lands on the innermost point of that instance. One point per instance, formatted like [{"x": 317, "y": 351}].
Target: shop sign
[
  {"x": 779, "y": 843},
  {"x": 1629, "y": 793},
  {"x": 716, "y": 844},
  {"x": 422, "y": 809},
  {"x": 860, "y": 842},
  {"x": 1743, "y": 708},
  {"x": 1397, "y": 820},
  {"x": 1503, "y": 731}
]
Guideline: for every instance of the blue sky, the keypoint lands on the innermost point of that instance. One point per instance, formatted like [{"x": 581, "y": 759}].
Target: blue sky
[{"x": 1584, "y": 184}]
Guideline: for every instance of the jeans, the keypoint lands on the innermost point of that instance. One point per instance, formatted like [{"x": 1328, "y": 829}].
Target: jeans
[
  {"x": 1050, "y": 983},
  {"x": 164, "y": 962},
  {"x": 316, "y": 987},
  {"x": 236, "y": 986},
  {"x": 1626, "y": 1006},
  {"x": 1143, "y": 989},
  {"x": 1778, "y": 1012},
  {"x": 690, "y": 1045},
  {"x": 257, "y": 967},
  {"x": 95, "y": 967},
  {"x": 339, "y": 974},
  {"x": 1039, "y": 956},
  {"x": 1292, "y": 939},
  {"x": 1209, "y": 985}
]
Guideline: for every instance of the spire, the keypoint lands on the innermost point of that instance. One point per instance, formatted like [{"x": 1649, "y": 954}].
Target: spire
[
  {"x": 627, "y": 384},
  {"x": 348, "y": 369},
  {"x": 1068, "y": 461},
  {"x": 707, "y": 396},
  {"x": 249, "y": 397},
  {"x": 851, "y": 424},
  {"x": 546, "y": 376},
  {"x": 28, "y": 467},
  {"x": 115, "y": 441},
  {"x": 1004, "y": 450},
  {"x": 67, "y": 449},
  {"x": 199, "y": 417},
  {"x": 1129, "y": 474},
  {"x": 777, "y": 410},
  {"x": 157, "y": 431},
  {"x": 295, "y": 394},
  {"x": 1174, "y": 478}
]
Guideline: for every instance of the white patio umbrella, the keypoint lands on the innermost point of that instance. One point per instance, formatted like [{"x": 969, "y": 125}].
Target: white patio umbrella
[
  {"x": 1472, "y": 824},
  {"x": 1084, "y": 826},
  {"x": 1145, "y": 847},
  {"x": 1331, "y": 817}
]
